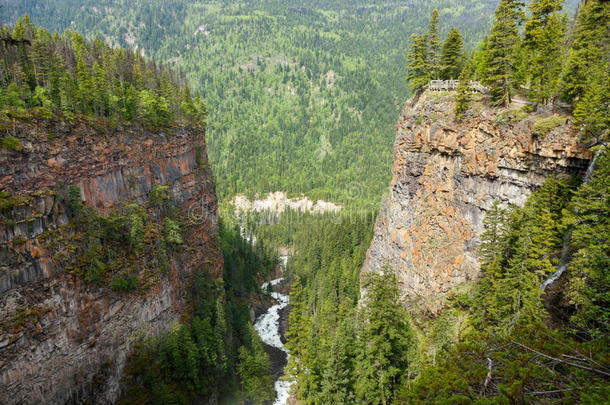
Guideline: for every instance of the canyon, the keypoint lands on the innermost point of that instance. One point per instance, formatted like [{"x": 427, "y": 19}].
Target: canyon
[
  {"x": 446, "y": 175},
  {"x": 63, "y": 338}
]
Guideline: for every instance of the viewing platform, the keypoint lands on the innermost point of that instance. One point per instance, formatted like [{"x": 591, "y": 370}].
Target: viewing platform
[{"x": 451, "y": 85}]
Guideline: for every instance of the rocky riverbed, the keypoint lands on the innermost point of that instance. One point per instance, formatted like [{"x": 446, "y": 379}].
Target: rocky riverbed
[{"x": 271, "y": 327}]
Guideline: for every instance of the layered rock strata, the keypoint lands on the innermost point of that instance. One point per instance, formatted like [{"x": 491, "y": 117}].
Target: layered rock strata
[
  {"x": 446, "y": 175},
  {"x": 62, "y": 338}
]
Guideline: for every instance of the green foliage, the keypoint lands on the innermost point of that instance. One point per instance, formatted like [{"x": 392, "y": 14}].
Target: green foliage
[
  {"x": 254, "y": 369},
  {"x": 74, "y": 199},
  {"x": 338, "y": 353},
  {"x": 505, "y": 350},
  {"x": 124, "y": 284},
  {"x": 385, "y": 337},
  {"x": 173, "y": 233},
  {"x": 297, "y": 333},
  {"x": 518, "y": 375},
  {"x": 276, "y": 76},
  {"x": 11, "y": 143},
  {"x": 589, "y": 215},
  {"x": 418, "y": 64},
  {"x": 543, "y": 36},
  {"x": 589, "y": 45},
  {"x": 136, "y": 228},
  {"x": 518, "y": 250},
  {"x": 126, "y": 250},
  {"x": 338, "y": 379},
  {"x": 591, "y": 111},
  {"x": 159, "y": 196},
  {"x": 214, "y": 353},
  {"x": 434, "y": 45},
  {"x": 453, "y": 57},
  {"x": 199, "y": 158},
  {"x": 66, "y": 74},
  {"x": 502, "y": 46},
  {"x": 462, "y": 97},
  {"x": 545, "y": 125}
]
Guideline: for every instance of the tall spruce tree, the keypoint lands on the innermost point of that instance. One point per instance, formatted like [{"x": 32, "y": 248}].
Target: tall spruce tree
[
  {"x": 297, "y": 334},
  {"x": 589, "y": 288},
  {"x": 590, "y": 47},
  {"x": 586, "y": 80},
  {"x": 453, "y": 57},
  {"x": 462, "y": 97},
  {"x": 501, "y": 48},
  {"x": 434, "y": 45},
  {"x": 254, "y": 370},
  {"x": 591, "y": 110},
  {"x": 338, "y": 377},
  {"x": 544, "y": 32},
  {"x": 418, "y": 66},
  {"x": 385, "y": 336}
]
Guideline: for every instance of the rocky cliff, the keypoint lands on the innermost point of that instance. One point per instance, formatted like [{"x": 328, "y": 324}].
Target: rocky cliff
[
  {"x": 447, "y": 174},
  {"x": 90, "y": 260}
]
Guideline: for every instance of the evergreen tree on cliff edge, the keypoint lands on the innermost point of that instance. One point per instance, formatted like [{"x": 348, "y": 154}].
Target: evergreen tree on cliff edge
[
  {"x": 453, "y": 58},
  {"x": 434, "y": 45},
  {"x": 418, "y": 66},
  {"x": 543, "y": 38},
  {"x": 586, "y": 80},
  {"x": 502, "y": 45}
]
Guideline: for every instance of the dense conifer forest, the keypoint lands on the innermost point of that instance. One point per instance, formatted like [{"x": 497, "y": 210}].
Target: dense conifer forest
[
  {"x": 380, "y": 352},
  {"x": 303, "y": 98},
  {"x": 45, "y": 74},
  {"x": 315, "y": 88},
  {"x": 502, "y": 339}
]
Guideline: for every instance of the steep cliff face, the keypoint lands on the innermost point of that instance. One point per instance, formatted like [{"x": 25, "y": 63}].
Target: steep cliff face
[
  {"x": 446, "y": 175},
  {"x": 64, "y": 333}
]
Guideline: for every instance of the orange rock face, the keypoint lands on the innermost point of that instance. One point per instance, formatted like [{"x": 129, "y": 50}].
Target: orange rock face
[
  {"x": 446, "y": 175},
  {"x": 61, "y": 338}
]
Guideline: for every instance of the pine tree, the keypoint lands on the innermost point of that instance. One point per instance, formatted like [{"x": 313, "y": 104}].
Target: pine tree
[
  {"x": 338, "y": 378},
  {"x": 418, "y": 67},
  {"x": 586, "y": 78},
  {"x": 452, "y": 59},
  {"x": 591, "y": 111},
  {"x": 462, "y": 97},
  {"x": 297, "y": 333},
  {"x": 478, "y": 60},
  {"x": 501, "y": 47},
  {"x": 544, "y": 32},
  {"x": 434, "y": 45},
  {"x": 590, "y": 47},
  {"x": 589, "y": 287},
  {"x": 516, "y": 256},
  {"x": 385, "y": 337},
  {"x": 493, "y": 239},
  {"x": 254, "y": 370}
]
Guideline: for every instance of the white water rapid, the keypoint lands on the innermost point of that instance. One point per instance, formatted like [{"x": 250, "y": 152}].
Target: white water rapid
[{"x": 268, "y": 327}]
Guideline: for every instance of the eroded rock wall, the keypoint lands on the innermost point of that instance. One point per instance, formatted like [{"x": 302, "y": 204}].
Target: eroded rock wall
[
  {"x": 446, "y": 175},
  {"x": 62, "y": 339}
]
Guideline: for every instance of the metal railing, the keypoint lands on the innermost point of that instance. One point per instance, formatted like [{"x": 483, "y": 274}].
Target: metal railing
[{"x": 451, "y": 85}]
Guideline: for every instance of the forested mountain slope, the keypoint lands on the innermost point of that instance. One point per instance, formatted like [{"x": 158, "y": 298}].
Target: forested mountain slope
[
  {"x": 487, "y": 277},
  {"x": 303, "y": 98}
]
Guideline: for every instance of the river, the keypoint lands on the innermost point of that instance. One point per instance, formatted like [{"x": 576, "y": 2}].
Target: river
[{"x": 267, "y": 326}]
